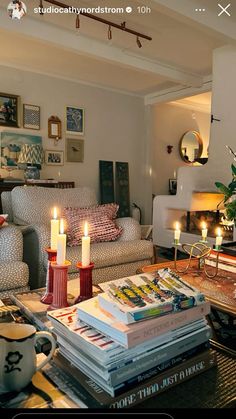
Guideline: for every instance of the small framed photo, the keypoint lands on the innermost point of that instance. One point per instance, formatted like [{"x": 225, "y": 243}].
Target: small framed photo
[
  {"x": 74, "y": 150},
  {"x": 74, "y": 120},
  {"x": 54, "y": 157},
  {"x": 9, "y": 110},
  {"x": 172, "y": 186},
  {"x": 54, "y": 127},
  {"x": 31, "y": 116}
]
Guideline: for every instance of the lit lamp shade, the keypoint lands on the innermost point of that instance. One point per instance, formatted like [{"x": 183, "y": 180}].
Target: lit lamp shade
[{"x": 32, "y": 156}]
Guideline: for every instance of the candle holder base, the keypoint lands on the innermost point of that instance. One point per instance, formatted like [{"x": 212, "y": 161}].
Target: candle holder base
[
  {"x": 86, "y": 283},
  {"x": 59, "y": 285},
  {"x": 48, "y": 295}
]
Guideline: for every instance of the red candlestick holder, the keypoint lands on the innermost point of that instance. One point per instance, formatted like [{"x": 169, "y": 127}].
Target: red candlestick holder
[
  {"x": 86, "y": 282},
  {"x": 47, "y": 296},
  {"x": 60, "y": 273}
]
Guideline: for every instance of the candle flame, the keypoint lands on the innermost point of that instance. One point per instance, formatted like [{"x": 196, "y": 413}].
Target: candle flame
[
  {"x": 61, "y": 226},
  {"x": 219, "y": 232},
  {"x": 177, "y": 226},
  {"x": 204, "y": 226},
  {"x": 86, "y": 229},
  {"x": 54, "y": 213}
]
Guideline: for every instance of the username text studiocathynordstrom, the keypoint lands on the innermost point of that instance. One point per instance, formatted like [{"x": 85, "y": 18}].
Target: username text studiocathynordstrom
[{"x": 78, "y": 10}]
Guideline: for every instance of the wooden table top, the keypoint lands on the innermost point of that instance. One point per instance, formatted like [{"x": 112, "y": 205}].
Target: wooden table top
[{"x": 220, "y": 291}]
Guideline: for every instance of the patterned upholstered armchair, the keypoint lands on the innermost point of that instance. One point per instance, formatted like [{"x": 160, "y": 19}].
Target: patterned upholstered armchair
[
  {"x": 30, "y": 207},
  {"x": 14, "y": 273}
]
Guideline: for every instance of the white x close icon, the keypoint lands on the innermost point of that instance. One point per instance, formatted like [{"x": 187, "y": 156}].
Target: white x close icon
[{"x": 224, "y": 9}]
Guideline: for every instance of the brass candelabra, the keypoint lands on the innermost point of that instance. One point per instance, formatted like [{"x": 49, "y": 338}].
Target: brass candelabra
[{"x": 200, "y": 251}]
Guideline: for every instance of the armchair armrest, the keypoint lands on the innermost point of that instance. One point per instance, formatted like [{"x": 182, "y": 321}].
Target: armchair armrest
[
  {"x": 131, "y": 229},
  {"x": 11, "y": 244},
  {"x": 36, "y": 239}
]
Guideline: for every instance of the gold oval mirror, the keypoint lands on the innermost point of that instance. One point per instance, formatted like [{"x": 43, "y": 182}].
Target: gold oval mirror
[{"x": 191, "y": 147}]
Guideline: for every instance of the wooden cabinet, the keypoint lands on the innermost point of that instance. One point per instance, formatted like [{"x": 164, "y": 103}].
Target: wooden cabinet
[{"x": 8, "y": 186}]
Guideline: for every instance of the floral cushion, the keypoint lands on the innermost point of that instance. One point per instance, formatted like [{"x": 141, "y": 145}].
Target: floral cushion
[{"x": 101, "y": 224}]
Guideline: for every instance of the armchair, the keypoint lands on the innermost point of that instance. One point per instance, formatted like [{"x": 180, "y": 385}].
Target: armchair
[
  {"x": 14, "y": 273},
  {"x": 30, "y": 208}
]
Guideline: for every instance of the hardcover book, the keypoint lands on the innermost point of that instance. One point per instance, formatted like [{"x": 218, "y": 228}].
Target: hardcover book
[
  {"x": 146, "y": 295},
  {"x": 130, "y": 335},
  {"x": 223, "y": 265},
  {"x": 225, "y": 262},
  {"x": 115, "y": 379},
  {"x": 135, "y": 395},
  {"x": 110, "y": 356}
]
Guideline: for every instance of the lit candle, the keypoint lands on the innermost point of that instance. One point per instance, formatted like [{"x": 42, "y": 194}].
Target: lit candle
[
  {"x": 177, "y": 233},
  {"x": 61, "y": 245},
  {"x": 204, "y": 231},
  {"x": 54, "y": 230},
  {"x": 218, "y": 239},
  {"x": 85, "y": 246}
]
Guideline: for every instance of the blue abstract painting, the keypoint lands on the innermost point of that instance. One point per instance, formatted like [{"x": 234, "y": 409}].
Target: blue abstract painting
[{"x": 74, "y": 120}]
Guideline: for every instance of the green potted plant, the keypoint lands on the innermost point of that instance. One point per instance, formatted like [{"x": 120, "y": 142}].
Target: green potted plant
[{"x": 229, "y": 191}]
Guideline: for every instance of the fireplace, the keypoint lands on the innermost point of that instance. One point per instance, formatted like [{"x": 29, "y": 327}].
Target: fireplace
[{"x": 190, "y": 209}]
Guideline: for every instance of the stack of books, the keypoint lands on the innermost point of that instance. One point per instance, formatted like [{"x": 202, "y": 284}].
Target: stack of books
[
  {"x": 226, "y": 261},
  {"x": 140, "y": 336}
]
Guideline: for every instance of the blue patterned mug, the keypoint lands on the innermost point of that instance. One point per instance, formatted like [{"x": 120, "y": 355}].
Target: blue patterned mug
[{"x": 18, "y": 361}]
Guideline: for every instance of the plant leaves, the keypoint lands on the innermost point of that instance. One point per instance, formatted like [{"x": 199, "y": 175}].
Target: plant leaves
[
  {"x": 232, "y": 186},
  {"x": 233, "y": 169},
  {"x": 231, "y": 210},
  {"x": 224, "y": 189}
]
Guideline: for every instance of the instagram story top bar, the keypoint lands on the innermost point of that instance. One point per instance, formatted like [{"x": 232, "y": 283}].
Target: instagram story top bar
[{"x": 65, "y": 8}]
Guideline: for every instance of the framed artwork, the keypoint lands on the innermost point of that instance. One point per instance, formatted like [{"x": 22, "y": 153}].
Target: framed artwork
[
  {"x": 54, "y": 127},
  {"x": 74, "y": 120},
  {"x": 172, "y": 186},
  {"x": 54, "y": 157},
  {"x": 11, "y": 143},
  {"x": 9, "y": 110},
  {"x": 31, "y": 116},
  {"x": 74, "y": 150}
]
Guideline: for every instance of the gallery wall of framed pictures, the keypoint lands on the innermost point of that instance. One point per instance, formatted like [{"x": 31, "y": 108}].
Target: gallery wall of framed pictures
[{"x": 16, "y": 114}]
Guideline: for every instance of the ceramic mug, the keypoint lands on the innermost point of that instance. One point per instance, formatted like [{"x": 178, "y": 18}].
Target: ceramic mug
[{"x": 18, "y": 361}]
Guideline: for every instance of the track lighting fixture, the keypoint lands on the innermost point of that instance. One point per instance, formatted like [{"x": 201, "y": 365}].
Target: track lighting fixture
[
  {"x": 77, "y": 24},
  {"x": 138, "y": 42},
  {"x": 41, "y": 6},
  {"x": 110, "y": 24},
  {"x": 109, "y": 33}
]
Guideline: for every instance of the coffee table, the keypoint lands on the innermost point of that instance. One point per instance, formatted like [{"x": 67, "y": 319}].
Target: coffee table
[
  {"x": 215, "y": 388},
  {"x": 220, "y": 291}
]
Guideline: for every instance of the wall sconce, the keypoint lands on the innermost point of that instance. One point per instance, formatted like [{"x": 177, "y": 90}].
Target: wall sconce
[
  {"x": 54, "y": 128},
  {"x": 169, "y": 149}
]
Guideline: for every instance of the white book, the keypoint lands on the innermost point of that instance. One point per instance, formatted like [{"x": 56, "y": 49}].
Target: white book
[
  {"x": 101, "y": 347},
  {"x": 134, "y": 334}
]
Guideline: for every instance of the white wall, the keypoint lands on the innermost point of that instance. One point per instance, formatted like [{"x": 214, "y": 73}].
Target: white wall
[
  {"x": 114, "y": 126},
  {"x": 218, "y": 167},
  {"x": 169, "y": 124}
]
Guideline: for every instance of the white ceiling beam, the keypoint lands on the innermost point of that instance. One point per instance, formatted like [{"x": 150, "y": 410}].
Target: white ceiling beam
[
  {"x": 222, "y": 26},
  {"x": 52, "y": 34},
  {"x": 178, "y": 92}
]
